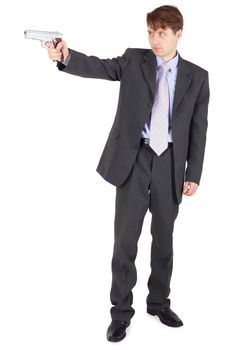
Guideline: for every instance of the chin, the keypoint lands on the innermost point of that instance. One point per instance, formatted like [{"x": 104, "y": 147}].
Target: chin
[{"x": 158, "y": 52}]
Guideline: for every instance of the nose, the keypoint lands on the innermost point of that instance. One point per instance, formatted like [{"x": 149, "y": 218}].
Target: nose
[
  {"x": 156, "y": 43},
  {"x": 156, "y": 40}
]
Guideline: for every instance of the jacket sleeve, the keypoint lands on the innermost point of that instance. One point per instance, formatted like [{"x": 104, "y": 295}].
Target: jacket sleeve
[
  {"x": 197, "y": 136},
  {"x": 95, "y": 67}
]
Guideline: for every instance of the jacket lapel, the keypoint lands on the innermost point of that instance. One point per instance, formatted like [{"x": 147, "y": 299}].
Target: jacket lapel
[
  {"x": 149, "y": 65},
  {"x": 183, "y": 82}
]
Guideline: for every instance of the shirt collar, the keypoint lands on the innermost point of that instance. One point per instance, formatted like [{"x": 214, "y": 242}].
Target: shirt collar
[{"x": 171, "y": 65}]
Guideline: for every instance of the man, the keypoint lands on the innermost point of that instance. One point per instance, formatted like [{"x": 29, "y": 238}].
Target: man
[{"x": 160, "y": 124}]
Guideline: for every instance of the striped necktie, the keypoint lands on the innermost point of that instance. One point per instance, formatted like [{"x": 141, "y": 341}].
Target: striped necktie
[{"x": 160, "y": 114}]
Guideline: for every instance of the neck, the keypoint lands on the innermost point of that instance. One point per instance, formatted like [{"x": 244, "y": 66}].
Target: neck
[{"x": 170, "y": 56}]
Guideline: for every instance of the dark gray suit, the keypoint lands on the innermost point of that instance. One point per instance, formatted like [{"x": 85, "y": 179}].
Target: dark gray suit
[
  {"x": 136, "y": 69},
  {"x": 142, "y": 179}
]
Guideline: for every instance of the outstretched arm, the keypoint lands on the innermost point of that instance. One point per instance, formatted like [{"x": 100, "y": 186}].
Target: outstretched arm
[{"x": 88, "y": 66}]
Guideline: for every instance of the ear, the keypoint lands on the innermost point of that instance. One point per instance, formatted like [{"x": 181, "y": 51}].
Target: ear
[{"x": 179, "y": 34}]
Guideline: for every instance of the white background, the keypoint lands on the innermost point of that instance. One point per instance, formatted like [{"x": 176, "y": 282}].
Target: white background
[{"x": 57, "y": 213}]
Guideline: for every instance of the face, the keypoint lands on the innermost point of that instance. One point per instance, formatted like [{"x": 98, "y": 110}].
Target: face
[{"x": 163, "y": 42}]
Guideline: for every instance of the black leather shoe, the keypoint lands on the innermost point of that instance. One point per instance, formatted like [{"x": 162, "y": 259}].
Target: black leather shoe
[
  {"x": 117, "y": 330},
  {"x": 166, "y": 316}
]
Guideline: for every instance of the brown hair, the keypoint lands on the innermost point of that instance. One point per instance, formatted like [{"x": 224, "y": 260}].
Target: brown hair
[{"x": 165, "y": 17}]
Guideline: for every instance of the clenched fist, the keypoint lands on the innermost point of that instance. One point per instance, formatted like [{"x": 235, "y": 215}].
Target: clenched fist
[{"x": 59, "y": 53}]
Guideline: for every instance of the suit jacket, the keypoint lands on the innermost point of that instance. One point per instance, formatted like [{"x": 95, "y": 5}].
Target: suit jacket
[{"x": 136, "y": 71}]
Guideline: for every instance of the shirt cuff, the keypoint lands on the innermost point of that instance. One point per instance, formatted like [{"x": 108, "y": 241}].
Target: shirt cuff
[{"x": 66, "y": 62}]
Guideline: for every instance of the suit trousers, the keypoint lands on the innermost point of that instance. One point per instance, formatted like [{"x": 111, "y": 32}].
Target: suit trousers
[{"x": 150, "y": 185}]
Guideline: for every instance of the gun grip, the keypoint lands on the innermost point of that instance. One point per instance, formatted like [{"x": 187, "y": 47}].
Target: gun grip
[{"x": 55, "y": 42}]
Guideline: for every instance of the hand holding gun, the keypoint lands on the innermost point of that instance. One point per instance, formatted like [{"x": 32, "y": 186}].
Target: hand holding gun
[{"x": 57, "y": 48}]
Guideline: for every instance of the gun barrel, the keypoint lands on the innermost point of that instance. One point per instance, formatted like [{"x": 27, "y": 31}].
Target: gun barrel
[{"x": 41, "y": 35}]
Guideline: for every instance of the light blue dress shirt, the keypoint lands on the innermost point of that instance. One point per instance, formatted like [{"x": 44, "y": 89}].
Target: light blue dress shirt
[{"x": 171, "y": 79}]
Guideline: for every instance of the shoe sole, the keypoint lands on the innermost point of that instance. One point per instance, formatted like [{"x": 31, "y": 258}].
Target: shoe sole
[
  {"x": 116, "y": 339},
  {"x": 154, "y": 313}
]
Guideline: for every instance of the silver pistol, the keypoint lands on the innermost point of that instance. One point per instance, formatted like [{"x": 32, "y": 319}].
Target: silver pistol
[
  {"x": 52, "y": 37},
  {"x": 43, "y": 37}
]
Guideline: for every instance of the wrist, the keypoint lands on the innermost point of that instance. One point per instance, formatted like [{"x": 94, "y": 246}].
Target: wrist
[
  {"x": 65, "y": 55},
  {"x": 66, "y": 59}
]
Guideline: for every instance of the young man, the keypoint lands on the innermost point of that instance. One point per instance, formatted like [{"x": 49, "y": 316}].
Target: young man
[{"x": 160, "y": 124}]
